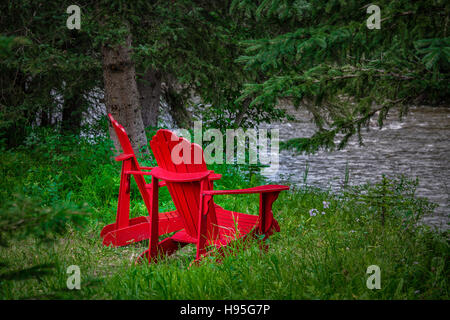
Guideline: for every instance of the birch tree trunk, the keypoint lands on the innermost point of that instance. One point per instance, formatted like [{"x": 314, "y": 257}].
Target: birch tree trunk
[{"x": 121, "y": 94}]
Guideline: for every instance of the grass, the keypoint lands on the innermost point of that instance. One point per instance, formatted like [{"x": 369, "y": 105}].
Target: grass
[{"x": 322, "y": 256}]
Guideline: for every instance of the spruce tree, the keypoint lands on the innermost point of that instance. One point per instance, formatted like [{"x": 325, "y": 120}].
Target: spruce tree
[{"x": 322, "y": 56}]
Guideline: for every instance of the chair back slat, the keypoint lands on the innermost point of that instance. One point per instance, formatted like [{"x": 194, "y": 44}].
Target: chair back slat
[{"x": 122, "y": 135}]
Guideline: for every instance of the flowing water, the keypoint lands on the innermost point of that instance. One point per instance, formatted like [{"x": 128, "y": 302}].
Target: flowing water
[{"x": 418, "y": 146}]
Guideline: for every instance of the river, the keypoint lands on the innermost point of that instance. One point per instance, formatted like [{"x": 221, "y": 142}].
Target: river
[{"x": 418, "y": 146}]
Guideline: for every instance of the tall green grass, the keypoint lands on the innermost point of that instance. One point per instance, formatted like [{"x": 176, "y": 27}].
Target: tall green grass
[{"x": 319, "y": 254}]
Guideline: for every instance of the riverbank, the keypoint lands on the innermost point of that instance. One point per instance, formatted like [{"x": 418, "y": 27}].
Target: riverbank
[{"x": 327, "y": 241}]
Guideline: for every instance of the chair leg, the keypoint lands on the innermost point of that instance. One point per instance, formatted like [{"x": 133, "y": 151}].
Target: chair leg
[
  {"x": 266, "y": 220},
  {"x": 154, "y": 221},
  {"x": 123, "y": 206},
  {"x": 202, "y": 221}
]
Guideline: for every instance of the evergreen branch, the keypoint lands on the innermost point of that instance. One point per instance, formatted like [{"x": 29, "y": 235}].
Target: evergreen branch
[
  {"x": 381, "y": 73},
  {"x": 406, "y": 13}
]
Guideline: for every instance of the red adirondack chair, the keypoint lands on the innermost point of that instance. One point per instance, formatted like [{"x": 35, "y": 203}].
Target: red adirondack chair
[
  {"x": 204, "y": 223},
  {"x": 125, "y": 230}
]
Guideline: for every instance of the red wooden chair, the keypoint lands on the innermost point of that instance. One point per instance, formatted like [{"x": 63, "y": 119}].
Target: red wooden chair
[
  {"x": 125, "y": 230},
  {"x": 204, "y": 223}
]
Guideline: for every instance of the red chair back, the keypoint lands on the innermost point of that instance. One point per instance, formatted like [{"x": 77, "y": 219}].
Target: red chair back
[
  {"x": 128, "y": 149},
  {"x": 176, "y": 154}
]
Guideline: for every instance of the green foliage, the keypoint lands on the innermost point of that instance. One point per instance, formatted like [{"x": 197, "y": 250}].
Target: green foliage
[
  {"x": 25, "y": 216},
  {"x": 321, "y": 56},
  {"x": 395, "y": 197},
  {"x": 193, "y": 44},
  {"x": 35, "y": 272},
  {"x": 7, "y": 44},
  {"x": 436, "y": 53},
  {"x": 38, "y": 184},
  {"x": 197, "y": 43}
]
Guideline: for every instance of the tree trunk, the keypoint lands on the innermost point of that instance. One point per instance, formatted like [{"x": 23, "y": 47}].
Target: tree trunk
[
  {"x": 121, "y": 94},
  {"x": 45, "y": 117},
  {"x": 177, "y": 107},
  {"x": 149, "y": 87},
  {"x": 241, "y": 114}
]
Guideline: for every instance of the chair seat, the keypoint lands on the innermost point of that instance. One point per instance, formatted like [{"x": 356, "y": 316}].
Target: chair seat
[
  {"x": 231, "y": 225},
  {"x": 138, "y": 229}
]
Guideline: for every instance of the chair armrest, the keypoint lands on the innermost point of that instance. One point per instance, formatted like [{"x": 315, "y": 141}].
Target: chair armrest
[
  {"x": 260, "y": 189},
  {"x": 160, "y": 184},
  {"x": 267, "y": 195},
  {"x": 148, "y": 185},
  {"x": 138, "y": 172},
  {"x": 215, "y": 176},
  {"x": 212, "y": 176},
  {"x": 170, "y": 176},
  {"x": 124, "y": 156}
]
